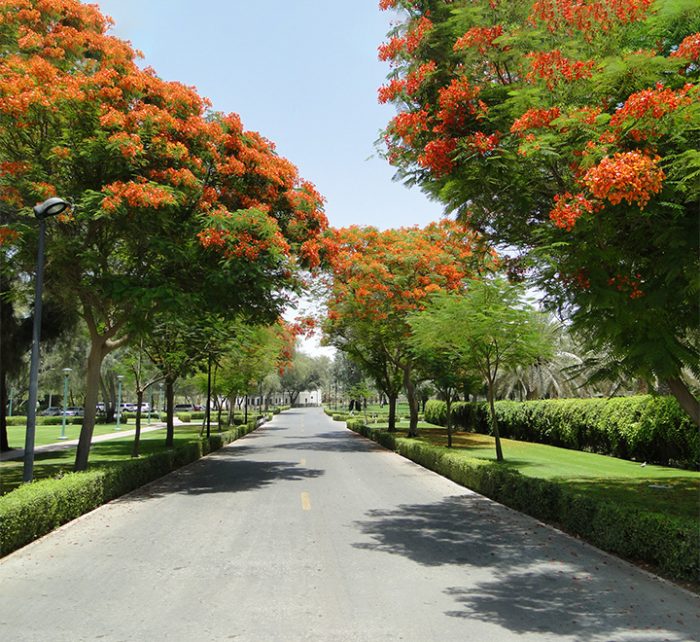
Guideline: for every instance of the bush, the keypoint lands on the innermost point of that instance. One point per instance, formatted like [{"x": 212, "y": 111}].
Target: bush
[
  {"x": 668, "y": 544},
  {"x": 184, "y": 417},
  {"x": 643, "y": 428},
  {"x": 38, "y": 508}
]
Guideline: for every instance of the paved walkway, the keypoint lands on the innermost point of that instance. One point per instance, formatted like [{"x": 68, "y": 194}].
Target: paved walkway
[{"x": 304, "y": 530}]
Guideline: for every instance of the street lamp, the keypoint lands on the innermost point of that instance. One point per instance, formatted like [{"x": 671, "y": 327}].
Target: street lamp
[
  {"x": 42, "y": 211},
  {"x": 120, "y": 378},
  {"x": 66, "y": 372}
]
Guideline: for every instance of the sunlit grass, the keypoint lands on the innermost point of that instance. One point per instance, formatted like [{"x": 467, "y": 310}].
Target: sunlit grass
[{"x": 657, "y": 489}]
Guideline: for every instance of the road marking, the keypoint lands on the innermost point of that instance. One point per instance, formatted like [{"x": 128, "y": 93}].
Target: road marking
[
  {"x": 305, "y": 501},
  {"x": 302, "y": 462}
]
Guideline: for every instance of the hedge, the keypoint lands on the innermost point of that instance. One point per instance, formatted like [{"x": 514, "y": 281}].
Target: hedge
[
  {"x": 36, "y": 509},
  {"x": 668, "y": 544},
  {"x": 644, "y": 428}
]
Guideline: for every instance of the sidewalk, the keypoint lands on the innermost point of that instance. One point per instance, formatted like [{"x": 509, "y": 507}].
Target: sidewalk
[{"x": 18, "y": 453}]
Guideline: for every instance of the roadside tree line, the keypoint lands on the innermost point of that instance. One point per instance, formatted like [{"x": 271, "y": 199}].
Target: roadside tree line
[{"x": 184, "y": 225}]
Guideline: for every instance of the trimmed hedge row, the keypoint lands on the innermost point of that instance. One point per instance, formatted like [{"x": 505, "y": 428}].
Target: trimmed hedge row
[
  {"x": 666, "y": 543},
  {"x": 643, "y": 428},
  {"x": 38, "y": 508}
]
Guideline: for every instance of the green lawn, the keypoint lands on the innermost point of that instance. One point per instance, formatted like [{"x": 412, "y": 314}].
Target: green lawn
[
  {"x": 657, "y": 489},
  {"x": 101, "y": 454},
  {"x": 51, "y": 434}
]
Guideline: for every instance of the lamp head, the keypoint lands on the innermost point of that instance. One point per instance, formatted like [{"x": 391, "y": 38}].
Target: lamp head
[
  {"x": 67, "y": 370},
  {"x": 50, "y": 207}
]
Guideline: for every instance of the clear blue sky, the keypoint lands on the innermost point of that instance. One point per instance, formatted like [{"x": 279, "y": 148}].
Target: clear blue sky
[{"x": 304, "y": 74}]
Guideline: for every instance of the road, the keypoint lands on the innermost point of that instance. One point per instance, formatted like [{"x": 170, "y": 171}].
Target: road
[{"x": 306, "y": 531}]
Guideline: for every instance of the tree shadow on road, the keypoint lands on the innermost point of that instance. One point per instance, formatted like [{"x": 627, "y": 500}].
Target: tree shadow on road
[
  {"x": 335, "y": 441},
  {"x": 525, "y": 577},
  {"x": 223, "y": 472}
]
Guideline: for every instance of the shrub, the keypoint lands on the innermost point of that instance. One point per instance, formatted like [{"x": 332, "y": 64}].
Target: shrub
[
  {"x": 668, "y": 544},
  {"x": 644, "y": 428},
  {"x": 184, "y": 417},
  {"x": 35, "y": 509}
]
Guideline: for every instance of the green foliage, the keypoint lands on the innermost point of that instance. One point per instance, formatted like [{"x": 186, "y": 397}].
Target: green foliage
[
  {"x": 668, "y": 544},
  {"x": 644, "y": 428},
  {"x": 185, "y": 417},
  {"x": 38, "y": 508}
]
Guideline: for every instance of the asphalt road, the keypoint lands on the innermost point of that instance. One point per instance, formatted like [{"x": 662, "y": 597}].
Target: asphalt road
[{"x": 306, "y": 531}]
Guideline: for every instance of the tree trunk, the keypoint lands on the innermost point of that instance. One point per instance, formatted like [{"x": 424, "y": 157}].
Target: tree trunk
[
  {"x": 94, "y": 365},
  {"x": 494, "y": 421},
  {"x": 220, "y": 411},
  {"x": 137, "y": 434},
  {"x": 412, "y": 403},
  {"x": 4, "y": 442},
  {"x": 685, "y": 398},
  {"x": 448, "y": 407},
  {"x": 392, "y": 412},
  {"x": 169, "y": 406}
]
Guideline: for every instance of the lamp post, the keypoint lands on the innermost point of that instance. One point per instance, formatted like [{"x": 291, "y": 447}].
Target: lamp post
[
  {"x": 120, "y": 378},
  {"x": 9, "y": 410},
  {"x": 160, "y": 401},
  {"x": 66, "y": 372},
  {"x": 42, "y": 211}
]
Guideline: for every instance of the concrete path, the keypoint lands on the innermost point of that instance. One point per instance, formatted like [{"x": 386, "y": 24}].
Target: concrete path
[{"x": 306, "y": 531}]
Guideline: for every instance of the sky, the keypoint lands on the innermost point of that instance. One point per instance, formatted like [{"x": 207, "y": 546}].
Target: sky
[{"x": 304, "y": 74}]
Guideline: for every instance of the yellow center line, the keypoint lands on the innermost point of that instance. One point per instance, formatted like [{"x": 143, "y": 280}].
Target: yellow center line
[{"x": 305, "y": 501}]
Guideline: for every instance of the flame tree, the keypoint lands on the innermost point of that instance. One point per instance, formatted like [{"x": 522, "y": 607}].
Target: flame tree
[
  {"x": 379, "y": 279},
  {"x": 567, "y": 131},
  {"x": 176, "y": 206}
]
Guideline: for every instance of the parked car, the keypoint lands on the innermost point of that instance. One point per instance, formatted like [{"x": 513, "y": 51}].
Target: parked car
[
  {"x": 183, "y": 407},
  {"x": 74, "y": 411},
  {"x": 51, "y": 411}
]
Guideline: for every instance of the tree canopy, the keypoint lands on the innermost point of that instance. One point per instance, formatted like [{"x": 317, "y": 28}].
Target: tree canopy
[{"x": 568, "y": 133}]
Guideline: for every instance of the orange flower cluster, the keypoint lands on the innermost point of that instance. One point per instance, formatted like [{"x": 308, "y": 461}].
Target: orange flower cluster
[
  {"x": 458, "y": 102},
  {"x": 480, "y": 38},
  {"x": 630, "y": 176},
  {"x": 689, "y": 49},
  {"x": 416, "y": 78},
  {"x": 627, "y": 284},
  {"x": 553, "y": 67},
  {"x": 586, "y": 16},
  {"x": 535, "y": 119},
  {"x": 437, "y": 156},
  {"x": 407, "y": 125},
  {"x": 408, "y": 43},
  {"x": 387, "y": 93},
  {"x": 136, "y": 194},
  {"x": 411, "y": 84},
  {"x": 7, "y": 235},
  {"x": 483, "y": 143},
  {"x": 568, "y": 209},
  {"x": 385, "y": 275},
  {"x": 130, "y": 145},
  {"x": 651, "y": 103}
]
